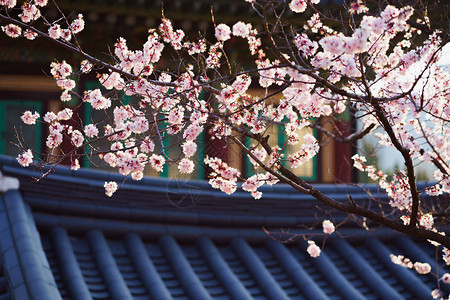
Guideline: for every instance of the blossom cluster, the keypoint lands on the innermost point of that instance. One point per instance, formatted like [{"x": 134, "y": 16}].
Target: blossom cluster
[
  {"x": 421, "y": 268},
  {"x": 61, "y": 72},
  {"x": 26, "y": 158},
  {"x": 254, "y": 182},
  {"x": 313, "y": 250},
  {"x": 328, "y": 227},
  {"x": 223, "y": 176}
]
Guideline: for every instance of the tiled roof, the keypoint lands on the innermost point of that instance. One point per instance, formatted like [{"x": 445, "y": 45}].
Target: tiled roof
[{"x": 63, "y": 239}]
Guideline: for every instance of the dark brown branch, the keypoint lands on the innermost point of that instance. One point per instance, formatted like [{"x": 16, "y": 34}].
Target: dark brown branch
[
  {"x": 347, "y": 139},
  {"x": 406, "y": 157},
  {"x": 350, "y": 208}
]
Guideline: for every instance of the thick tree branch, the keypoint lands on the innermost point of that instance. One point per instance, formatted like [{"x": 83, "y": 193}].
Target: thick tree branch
[
  {"x": 352, "y": 208},
  {"x": 406, "y": 157},
  {"x": 347, "y": 139}
]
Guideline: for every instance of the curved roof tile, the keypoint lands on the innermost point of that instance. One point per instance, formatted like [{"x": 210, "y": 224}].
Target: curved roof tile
[{"x": 64, "y": 239}]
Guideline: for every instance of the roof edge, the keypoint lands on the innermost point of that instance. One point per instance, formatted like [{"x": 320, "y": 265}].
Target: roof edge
[{"x": 35, "y": 280}]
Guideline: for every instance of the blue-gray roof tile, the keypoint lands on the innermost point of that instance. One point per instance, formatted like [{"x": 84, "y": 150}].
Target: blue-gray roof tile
[{"x": 63, "y": 239}]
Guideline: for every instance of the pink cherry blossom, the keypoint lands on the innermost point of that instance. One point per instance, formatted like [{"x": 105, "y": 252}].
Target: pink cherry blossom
[
  {"x": 226, "y": 186},
  {"x": 271, "y": 179},
  {"x": 446, "y": 255},
  {"x": 241, "y": 29},
  {"x": 358, "y": 7},
  {"x": 253, "y": 183},
  {"x": 12, "y": 30},
  {"x": 140, "y": 126},
  {"x": 60, "y": 70},
  {"x": 422, "y": 268},
  {"x": 298, "y": 6},
  {"x": 65, "y": 84},
  {"x": 91, "y": 130},
  {"x": 29, "y": 118},
  {"x": 426, "y": 221},
  {"x": 54, "y": 140},
  {"x": 29, "y": 34},
  {"x": 137, "y": 175},
  {"x": 157, "y": 162},
  {"x": 75, "y": 164},
  {"x": 41, "y": 3},
  {"x": 192, "y": 132},
  {"x": 97, "y": 100},
  {"x": 436, "y": 294},
  {"x": 401, "y": 261},
  {"x": 171, "y": 36},
  {"x": 112, "y": 80},
  {"x": 186, "y": 166},
  {"x": 313, "y": 250},
  {"x": 77, "y": 25},
  {"x": 328, "y": 227},
  {"x": 373, "y": 66},
  {"x": 189, "y": 148},
  {"x": 223, "y": 32},
  {"x": 195, "y": 47},
  {"x": 256, "y": 194},
  {"x": 260, "y": 154},
  {"x": 212, "y": 61},
  {"x": 242, "y": 83},
  {"x": 55, "y": 31},
  {"x": 77, "y": 138},
  {"x": 26, "y": 158},
  {"x": 85, "y": 66},
  {"x": 65, "y": 114},
  {"x": 110, "y": 159},
  {"x": 333, "y": 44},
  {"x": 176, "y": 115},
  {"x": 110, "y": 188},
  {"x": 305, "y": 45},
  {"x": 50, "y": 116},
  {"x": 147, "y": 146},
  {"x": 8, "y": 3},
  {"x": 29, "y": 12},
  {"x": 65, "y": 96}
]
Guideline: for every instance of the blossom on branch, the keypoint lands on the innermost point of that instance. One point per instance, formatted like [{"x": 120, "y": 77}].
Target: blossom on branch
[
  {"x": 313, "y": 250},
  {"x": 29, "y": 118},
  {"x": 328, "y": 227},
  {"x": 422, "y": 268},
  {"x": 223, "y": 32},
  {"x": 26, "y": 158},
  {"x": 110, "y": 188},
  {"x": 186, "y": 166},
  {"x": 298, "y": 6},
  {"x": 97, "y": 100},
  {"x": 241, "y": 29},
  {"x": 8, "y": 3},
  {"x": 12, "y": 30}
]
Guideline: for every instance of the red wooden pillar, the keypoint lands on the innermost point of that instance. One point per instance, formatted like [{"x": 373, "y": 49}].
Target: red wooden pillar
[{"x": 343, "y": 152}]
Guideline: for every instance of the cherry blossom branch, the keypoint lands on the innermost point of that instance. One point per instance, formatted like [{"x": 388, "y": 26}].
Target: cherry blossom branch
[
  {"x": 351, "y": 138},
  {"x": 74, "y": 150},
  {"x": 406, "y": 157},
  {"x": 73, "y": 48},
  {"x": 352, "y": 208},
  {"x": 435, "y": 161},
  {"x": 266, "y": 168}
]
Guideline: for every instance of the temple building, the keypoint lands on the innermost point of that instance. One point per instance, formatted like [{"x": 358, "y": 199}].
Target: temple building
[{"x": 26, "y": 83}]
